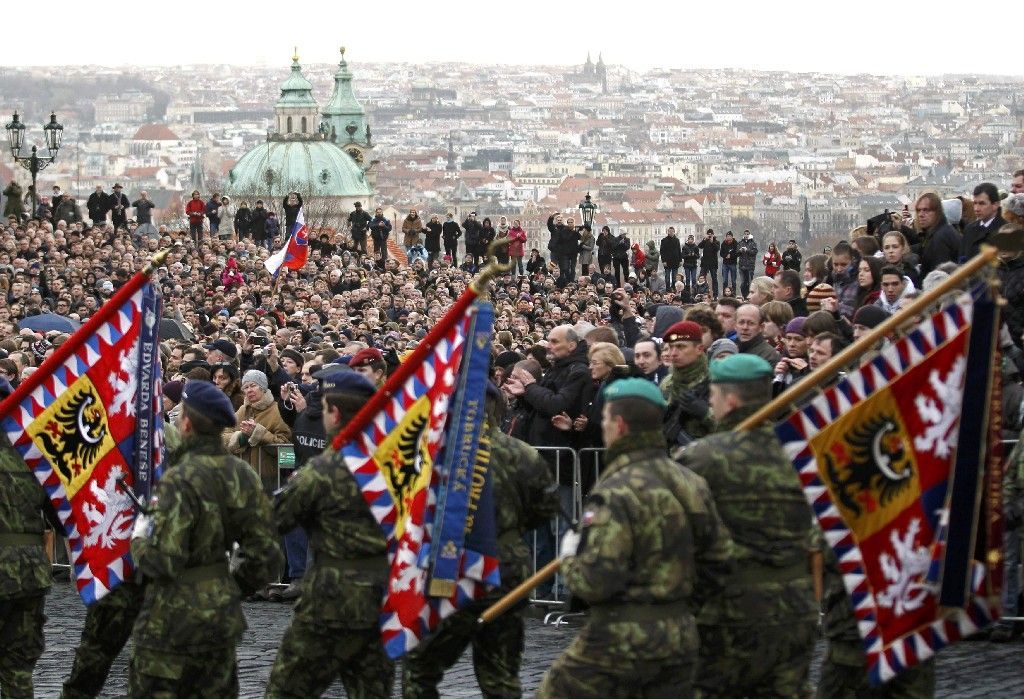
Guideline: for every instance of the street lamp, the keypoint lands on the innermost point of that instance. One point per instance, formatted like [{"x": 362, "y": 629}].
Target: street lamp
[
  {"x": 587, "y": 209},
  {"x": 54, "y": 134}
]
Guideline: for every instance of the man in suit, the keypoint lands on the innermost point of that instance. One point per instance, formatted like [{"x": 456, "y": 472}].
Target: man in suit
[{"x": 988, "y": 223}]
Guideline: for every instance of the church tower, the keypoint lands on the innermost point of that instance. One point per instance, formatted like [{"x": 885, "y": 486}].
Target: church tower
[
  {"x": 602, "y": 73},
  {"x": 296, "y": 110},
  {"x": 345, "y": 119}
]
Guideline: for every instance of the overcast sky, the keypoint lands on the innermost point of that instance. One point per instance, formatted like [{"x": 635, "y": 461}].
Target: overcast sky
[{"x": 872, "y": 36}]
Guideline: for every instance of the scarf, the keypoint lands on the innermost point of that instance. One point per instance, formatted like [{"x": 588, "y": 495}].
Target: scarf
[{"x": 687, "y": 377}]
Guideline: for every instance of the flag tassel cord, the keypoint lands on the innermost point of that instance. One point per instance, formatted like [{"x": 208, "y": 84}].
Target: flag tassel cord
[{"x": 812, "y": 382}]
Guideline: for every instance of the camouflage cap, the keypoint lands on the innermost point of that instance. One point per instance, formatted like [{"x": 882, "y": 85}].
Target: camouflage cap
[
  {"x": 739, "y": 368},
  {"x": 634, "y": 388}
]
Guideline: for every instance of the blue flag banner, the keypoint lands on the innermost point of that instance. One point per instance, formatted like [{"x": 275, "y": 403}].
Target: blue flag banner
[{"x": 464, "y": 475}]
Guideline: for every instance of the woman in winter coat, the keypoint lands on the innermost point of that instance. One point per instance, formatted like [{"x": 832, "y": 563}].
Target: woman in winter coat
[
  {"x": 587, "y": 243},
  {"x": 502, "y": 234},
  {"x": 772, "y": 261},
  {"x": 536, "y": 262},
  {"x": 412, "y": 227},
  {"x": 639, "y": 260},
  {"x": 225, "y": 376},
  {"x": 259, "y": 425},
  {"x": 433, "y": 239},
  {"x": 517, "y": 248},
  {"x": 227, "y": 220},
  {"x": 487, "y": 234}
]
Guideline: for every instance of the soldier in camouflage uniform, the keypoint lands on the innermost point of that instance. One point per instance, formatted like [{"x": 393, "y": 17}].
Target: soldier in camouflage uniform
[
  {"x": 108, "y": 625},
  {"x": 208, "y": 501},
  {"x": 650, "y": 551},
  {"x": 524, "y": 499},
  {"x": 335, "y": 631},
  {"x": 844, "y": 672},
  {"x": 24, "y": 568},
  {"x": 687, "y": 416},
  {"x": 756, "y": 638}
]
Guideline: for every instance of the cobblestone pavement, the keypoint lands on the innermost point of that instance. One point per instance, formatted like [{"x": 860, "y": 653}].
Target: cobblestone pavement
[{"x": 964, "y": 671}]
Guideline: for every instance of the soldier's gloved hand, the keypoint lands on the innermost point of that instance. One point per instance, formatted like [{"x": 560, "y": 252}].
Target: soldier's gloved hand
[
  {"x": 143, "y": 526},
  {"x": 570, "y": 542}
]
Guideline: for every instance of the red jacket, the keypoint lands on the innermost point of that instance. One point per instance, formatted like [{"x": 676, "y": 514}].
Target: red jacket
[
  {"x": 196, "y": 210},
  {"x": 772, "y": 263},
  {"x": 517, "y": 248}
]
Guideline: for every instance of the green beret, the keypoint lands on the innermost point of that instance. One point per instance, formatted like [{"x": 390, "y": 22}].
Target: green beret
[
  {"x": 634, "y": 388},
  {"x": 739, "y": 368}
]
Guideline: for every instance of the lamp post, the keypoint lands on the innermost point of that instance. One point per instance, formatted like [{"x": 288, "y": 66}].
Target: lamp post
[
  {"x": 53, "y": 133},
  {"x": 587, "y": 209}
]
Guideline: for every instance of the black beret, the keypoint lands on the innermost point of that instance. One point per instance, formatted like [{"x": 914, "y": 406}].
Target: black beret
[
  {"x": 209, "y": 401},
  {"x": 339, "y": 378}
]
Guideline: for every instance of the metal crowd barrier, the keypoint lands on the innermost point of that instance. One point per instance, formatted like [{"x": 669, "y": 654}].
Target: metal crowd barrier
[
  {"x": 563, "y": 459},
  {"x": 284, "y": 460}
]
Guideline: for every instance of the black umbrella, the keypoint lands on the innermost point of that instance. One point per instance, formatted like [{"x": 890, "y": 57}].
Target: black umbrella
[
  {"x": 170, "y": 329},
  {"x": 45, "y": 322}
]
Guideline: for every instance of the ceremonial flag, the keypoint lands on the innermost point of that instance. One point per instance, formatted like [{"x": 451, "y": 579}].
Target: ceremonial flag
[
  {"x": 295, "y": 251},
  {"x": 417, "y": 453},
  {"x": 894, "y": 460},
  {"x": 90, "y": 415}
]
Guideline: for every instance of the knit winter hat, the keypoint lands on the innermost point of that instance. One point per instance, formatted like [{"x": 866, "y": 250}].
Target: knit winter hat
[
  {"x": 816, "y": 295},
  {"x": 255, "y": 376}
]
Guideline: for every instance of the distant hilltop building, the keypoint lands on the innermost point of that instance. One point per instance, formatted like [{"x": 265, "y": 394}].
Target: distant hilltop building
[
  {"x": 325, "y": 155},
  {"x": 591, "y": 74}
]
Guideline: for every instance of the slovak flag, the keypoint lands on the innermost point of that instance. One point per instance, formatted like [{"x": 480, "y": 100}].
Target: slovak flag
[{"x": 295, "y": 252}]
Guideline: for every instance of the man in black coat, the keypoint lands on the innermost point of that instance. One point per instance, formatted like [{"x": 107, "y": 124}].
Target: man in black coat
[
  {"x": 451, "y": 231},
  {"x": 671, "y": 256},
  {"x": 709, "y": 259},
  {"x": 98, "y": 205},
  {"x": 474, "y": 233},
  {"x": 990, "y": 219},
  {"x": 258, "y": 225},
  {"x": 940, "y": 241},
  {"x": 118, "y": 204},
  {"x": 358, "y": 224},
  {"x": 791, "y": 257}
]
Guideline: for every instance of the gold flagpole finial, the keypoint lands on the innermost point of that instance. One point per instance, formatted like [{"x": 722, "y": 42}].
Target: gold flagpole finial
[
  {"x": 295, "y": 55},
  {"x": 157, "y": 260},
  {"x": 493, "y": 268}
]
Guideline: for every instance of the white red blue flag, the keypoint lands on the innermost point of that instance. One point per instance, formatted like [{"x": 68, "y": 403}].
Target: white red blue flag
[
  {"x": 295, "y": 251},
  {"x": 432, "y": 501},
  {"x": 89, "y": 417},
  {"x": 898, "y": 462}
]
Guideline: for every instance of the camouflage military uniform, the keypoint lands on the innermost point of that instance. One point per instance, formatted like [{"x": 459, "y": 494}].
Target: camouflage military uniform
[
  {"x": 191, "y": 618},
  {"x": 108, "y": 625},
  {"x": 756, "y": 638},
  {"x": 524, "y": 499},
  {"x": 24, "y": 572},
  {"x": 844, "y": 672},
  {"x": 688, "y": 415},
  {"x": 335, "y": 631},
  {"x": 652, "y": 547}
]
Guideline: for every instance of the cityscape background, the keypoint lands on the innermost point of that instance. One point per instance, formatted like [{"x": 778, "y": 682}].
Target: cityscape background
[{"x": 803, "y": 155}]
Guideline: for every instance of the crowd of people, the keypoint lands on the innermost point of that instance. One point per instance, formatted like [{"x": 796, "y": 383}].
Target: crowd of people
[{"x": 578, "y": 316}]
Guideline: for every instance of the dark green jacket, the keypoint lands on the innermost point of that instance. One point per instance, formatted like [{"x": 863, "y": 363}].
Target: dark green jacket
[
  {"x": 207, "y": 501},
  {"x": 345, "y": 585},
  {"x": 24, "y": 569},
  {"x": 650, "y": 540}
]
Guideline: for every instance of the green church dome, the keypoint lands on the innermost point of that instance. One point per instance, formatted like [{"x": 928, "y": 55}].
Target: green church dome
[{"x": 310, "y": 167}]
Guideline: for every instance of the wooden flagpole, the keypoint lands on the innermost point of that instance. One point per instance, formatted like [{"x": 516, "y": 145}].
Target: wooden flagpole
[{"x": 809, "y": 383}]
